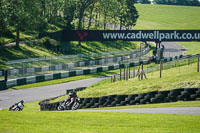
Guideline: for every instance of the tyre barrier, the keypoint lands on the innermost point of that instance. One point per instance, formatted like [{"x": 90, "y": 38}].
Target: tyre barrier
[
  {"x": 77, "y": 89},
  {"x": 181, "y": 94}
]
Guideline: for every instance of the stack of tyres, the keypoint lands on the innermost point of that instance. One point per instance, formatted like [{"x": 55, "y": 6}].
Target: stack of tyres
[
  {"x": 84, "y": 102},
  {"x": 102, "y": 101},
  {"x": 196, "y": 95},
  {"x": 130, "y": 99},
  {"x": 111, "y": 100},
  {"x": 121, "y": 100},
  {"x": 93, "y": 101},
  {"x": 87, "y": 102},
  {"x": 186, "y": 94},
  {"x": 117, "y": 100},
  {"x": 173, "y": 95},
  {"x": 160, "y": 97},
  {"x": 96, "y": 102},
  {"x": 148, "y": 96},
  {"x": 139, "y": 98}
]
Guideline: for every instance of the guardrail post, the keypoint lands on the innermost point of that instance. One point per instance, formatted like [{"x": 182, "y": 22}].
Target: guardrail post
[{"x": 6, "y": 75}]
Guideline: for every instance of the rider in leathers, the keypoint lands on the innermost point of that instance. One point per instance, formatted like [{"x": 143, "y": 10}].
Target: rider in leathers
[{"x": 72, "y": 98}]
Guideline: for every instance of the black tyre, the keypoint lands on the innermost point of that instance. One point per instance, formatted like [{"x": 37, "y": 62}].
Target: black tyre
[
  {"x": 121, "y": 97},
  {"x": 143, "y": 101},
  {"x": 164, "y": 93},
  {"x": 176, "y": 92},
  {"x": 75, "y": 106},
  {"x": 60, "y": 108},
  {"x": 160, "y": 96},
  {"x": 133, "y": 102},
  {"x": 152, "y": 93},
  {"x": 149, "y": 96},
  {"x": 131, "y": 97},
  {"x": 191, "y": 90}
]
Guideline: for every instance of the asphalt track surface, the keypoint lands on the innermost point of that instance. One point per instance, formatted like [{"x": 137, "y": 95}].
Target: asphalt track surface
[
  {"x": 9, "y": 97},
  {"x": 167, "y": 110}
]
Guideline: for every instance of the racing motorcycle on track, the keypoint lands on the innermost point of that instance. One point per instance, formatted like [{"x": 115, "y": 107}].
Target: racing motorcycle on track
[
  {"x": 71, "y": 103},
  {"x": 17, "y": 106}
]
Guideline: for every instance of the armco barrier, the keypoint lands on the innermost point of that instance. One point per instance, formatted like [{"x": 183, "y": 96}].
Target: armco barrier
[
  {"x": 41, "y": 78},
  {"x": 47, "y": 77},
  {"x": 90, "y": 62},
  {"x": 182, "y": 94},
  {"x": 2, "y": 85}
]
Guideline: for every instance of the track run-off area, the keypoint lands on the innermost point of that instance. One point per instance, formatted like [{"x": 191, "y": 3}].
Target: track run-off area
[{"x": 9, "y": 97}]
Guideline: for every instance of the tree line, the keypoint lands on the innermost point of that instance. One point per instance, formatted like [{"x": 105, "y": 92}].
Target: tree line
[
  {"x": 171, "y": 2},
  {"x": 36, "y": 15},
  {"x": 179, "y": 2}
]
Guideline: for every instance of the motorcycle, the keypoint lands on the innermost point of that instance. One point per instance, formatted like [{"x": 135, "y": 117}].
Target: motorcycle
[
  {"x": 17, "y": 107},
  {"x": 68, "y": 105}
]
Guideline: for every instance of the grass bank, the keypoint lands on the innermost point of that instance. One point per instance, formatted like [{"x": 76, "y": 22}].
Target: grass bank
[
  {"x": 45, "y": 122},
  {"x": 31, "y": 120},
  {"x": 179, "y": 77},
  {"x": 167, "y": 17}
]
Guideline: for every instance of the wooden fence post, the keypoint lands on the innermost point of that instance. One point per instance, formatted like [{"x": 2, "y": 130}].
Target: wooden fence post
[
  {"x": 120, "y": 76},
  {"x": 198, "y": 64},
  {"x": 160, "y": 69},
  {"x": 124, "y": 73}
]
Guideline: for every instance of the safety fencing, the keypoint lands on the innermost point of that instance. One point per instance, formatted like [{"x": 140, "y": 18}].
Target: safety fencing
[
  {"x": 181, "y": 94},
  {"x": 85, "y": 71},
  {"x": 129, "y": 72},
  {"x": 37, "y": 66},
  {"x": 66, "y": 74}
]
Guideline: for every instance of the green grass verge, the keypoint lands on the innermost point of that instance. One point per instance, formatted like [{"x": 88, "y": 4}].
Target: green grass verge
[
  {"x": 179, "y": 77},
  {"x": 45, "y": 122},
  {"x": 31, "y": 120},
  {"x": 192, "y": 47},
  {"x": 160, "y": 105}
]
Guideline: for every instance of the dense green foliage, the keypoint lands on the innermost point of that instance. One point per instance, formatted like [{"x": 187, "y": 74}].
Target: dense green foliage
[
  {"x": 143, "y": 1},
  {"x": 35, "y": 15}
]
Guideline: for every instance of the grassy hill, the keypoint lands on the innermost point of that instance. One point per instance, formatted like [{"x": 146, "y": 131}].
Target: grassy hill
[
  {"x": 168, "y": 17},
  {"x": 151, "y": 17}
]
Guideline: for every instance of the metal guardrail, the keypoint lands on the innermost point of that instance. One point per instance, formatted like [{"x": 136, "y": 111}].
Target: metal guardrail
[{"x": 30, "y": 67}]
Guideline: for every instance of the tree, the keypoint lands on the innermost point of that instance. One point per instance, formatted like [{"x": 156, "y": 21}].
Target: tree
[
  {"x": 128, "y": 14},
  {"x": 109, "y": 10},
  {"x": 69, "y": 10},
  {"x": 132, "y": 14},
  {"x": 82, "y": 6},
  {"x": 4, "y": 17},
  {"x": 24, "y": 14},
  {"x": 179, "y": 2},
  {"x": 143, "y": 1}
]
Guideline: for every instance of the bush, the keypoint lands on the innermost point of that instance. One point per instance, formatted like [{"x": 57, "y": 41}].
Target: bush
[{"x": 49, "y": 43}]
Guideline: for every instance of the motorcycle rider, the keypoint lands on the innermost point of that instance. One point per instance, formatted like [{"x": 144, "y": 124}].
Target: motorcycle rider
[
  {"x": 19, "y": 105},
  {"x": 72, "y": 98}
]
